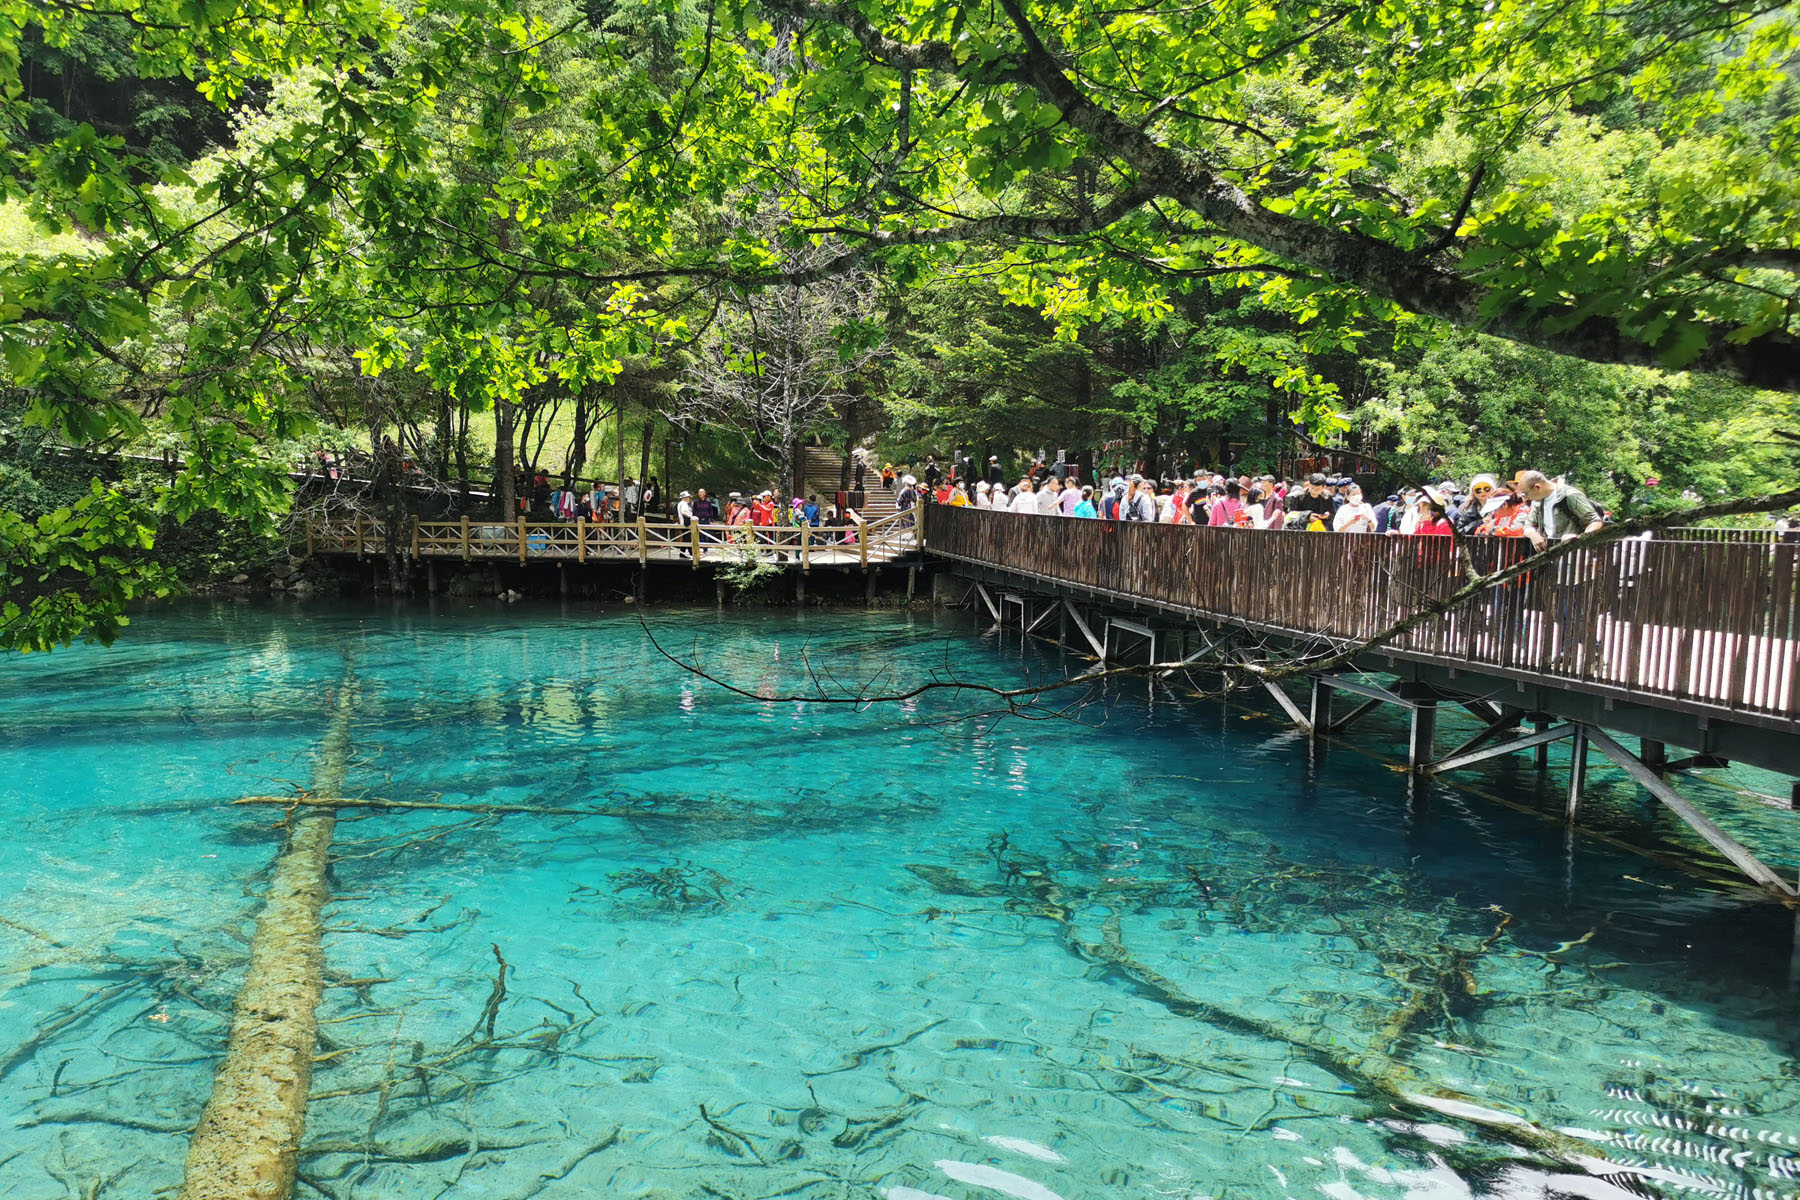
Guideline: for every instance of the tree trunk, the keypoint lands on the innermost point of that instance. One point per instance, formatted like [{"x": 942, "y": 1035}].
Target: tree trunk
[
  {"x": 440, "y": 462},
  {"x": 503, "y": 460},
  {"x": 577, "y": 458},
  {"x": 644, "y": 460},
  {"x": 461, "y": 450},
  {"x": 621, "y": 440}
]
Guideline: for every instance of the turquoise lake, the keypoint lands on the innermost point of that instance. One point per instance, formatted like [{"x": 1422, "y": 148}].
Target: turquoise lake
[{"x": 1146, "y": 946}]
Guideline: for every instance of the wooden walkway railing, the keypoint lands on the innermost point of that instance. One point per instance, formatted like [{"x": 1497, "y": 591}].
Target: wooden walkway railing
[
  {"x": 871, "y": 542},
  {"x": 1699, "y": 624}
]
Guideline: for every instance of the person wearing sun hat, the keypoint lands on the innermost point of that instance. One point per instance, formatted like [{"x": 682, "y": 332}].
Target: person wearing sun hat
[{"x": 1465, "y": 518}]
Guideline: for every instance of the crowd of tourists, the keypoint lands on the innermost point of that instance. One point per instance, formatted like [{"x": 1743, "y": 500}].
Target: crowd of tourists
[
  {"x": 543, "y": 497},
  {"x": 1528, "y": 504}
]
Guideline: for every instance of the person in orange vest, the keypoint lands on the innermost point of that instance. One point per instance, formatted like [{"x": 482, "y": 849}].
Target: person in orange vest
[{"x": 762, "y": 510}]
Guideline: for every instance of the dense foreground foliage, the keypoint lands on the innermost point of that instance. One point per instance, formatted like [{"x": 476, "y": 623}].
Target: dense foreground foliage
[{"x": 506, "y": 231}]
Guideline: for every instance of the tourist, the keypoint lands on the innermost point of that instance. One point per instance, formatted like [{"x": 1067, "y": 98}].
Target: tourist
[
  {"x": 1050, "y": 498},
  {"x": 706, "y": 511},
  {"x": 999, "y": 500},
  {"x": 1355, "y": 516},
  {"x": 810, "y": 513},
  {"x": 1433, "y": 516},
  {"x": 1254, "y": 514},
  {"x": 1140, "y": 503},
  {"x": 1558, "y": 511},
  {"x": 684, "y": 509},
  {"x": 1467, "y": 516},
  {"x": 652, "y": 499},
  {"x": 1506, "y": 516},
  {"x": 1024, "y": 497},
  {"x": 1084, "y": 505},
  {"x": 1315, "y": 502},
  {"x": 933, "y": 473},
  {"x": 1225, "y": 504},
  {"x": 1071, "y": 494},
  {"x": 1386, "y": 513},
  {"x": 984, "y": 495},
  {"x": 996, "y": 476}
]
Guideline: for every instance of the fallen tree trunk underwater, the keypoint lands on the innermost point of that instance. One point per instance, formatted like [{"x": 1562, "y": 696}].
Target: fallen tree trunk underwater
[{"x": 247, "y": 1145}]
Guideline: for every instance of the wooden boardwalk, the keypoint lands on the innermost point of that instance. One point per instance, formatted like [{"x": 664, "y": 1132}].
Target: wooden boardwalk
[
  {"x": 1708, "y": 627},
  {"x": 870, "y": 543}
]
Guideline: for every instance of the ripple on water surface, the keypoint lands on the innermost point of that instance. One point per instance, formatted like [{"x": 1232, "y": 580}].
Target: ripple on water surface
[{"x": 751, "y": 947}]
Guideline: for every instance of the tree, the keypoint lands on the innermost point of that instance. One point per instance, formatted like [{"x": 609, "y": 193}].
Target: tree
[
  {"x": 508, "y": 195},
  {"x": 779, "y": 361}
]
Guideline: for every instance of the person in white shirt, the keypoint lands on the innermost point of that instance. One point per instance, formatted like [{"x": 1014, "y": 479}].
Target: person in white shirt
[
  {"x": 1354, "y": 515},
  {"x": 1050, "y": 499},
  {"x": 684, "y": 509},
  {"x": 983, "y": 495},
  {"x": 1001, "y": 502},
  {"x": 1024, "y": 500}
]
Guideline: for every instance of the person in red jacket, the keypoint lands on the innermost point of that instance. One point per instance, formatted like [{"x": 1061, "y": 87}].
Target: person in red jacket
[
  {"x": 1432, "y": 519},
  {"x": 762, "y": 510}
]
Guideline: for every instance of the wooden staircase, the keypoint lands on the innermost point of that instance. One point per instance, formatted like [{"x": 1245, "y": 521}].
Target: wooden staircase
[{"x": 821, "y": 468}]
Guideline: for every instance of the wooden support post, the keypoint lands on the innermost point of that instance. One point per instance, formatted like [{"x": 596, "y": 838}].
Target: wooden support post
[
  {"x": 562, "y": 579},
  {"x": 805, "y": 553},
  {"x": 431, "y": 575},
  {"x": 1422, "y": 731},
  {"x": 415, "y": 539},
  {"x": 580, "y": 539},
  {"x": 1540, "y": 758},
  {"x": 465, "y": 537},
  {"x": 1578, "y": 746},
  {"x": 1319, "y": 712},
  {"x": 521, "y": 541},
  {"x": 871, "y": 589},
  {"x": 643, "y": 543},
  {"x": 359, "y": 534},
  {"x": 694, "y": 535},
  {"x": 800, "y": 588},
  {"x": 912, "y": 581},
  {"x": 1654, "y": 754},
  {"x": 1794, "y": 794}
]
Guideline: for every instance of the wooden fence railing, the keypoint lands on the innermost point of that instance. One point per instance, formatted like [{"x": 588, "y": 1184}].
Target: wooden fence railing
[
  {"x": 523, "y": 541},
  {"x": 1714, "y": 623}
]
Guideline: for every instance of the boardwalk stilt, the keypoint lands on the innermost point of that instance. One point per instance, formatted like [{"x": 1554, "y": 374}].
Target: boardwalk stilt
[
  {"x": 1421, "y": 733},
  {"x": 1578, "y": 747}
]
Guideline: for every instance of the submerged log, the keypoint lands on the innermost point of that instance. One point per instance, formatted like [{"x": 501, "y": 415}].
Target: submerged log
[{"x": 248, "y": 1142}]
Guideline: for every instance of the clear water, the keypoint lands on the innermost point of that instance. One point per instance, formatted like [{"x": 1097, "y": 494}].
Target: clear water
[{"x": 1149, "y": 949}]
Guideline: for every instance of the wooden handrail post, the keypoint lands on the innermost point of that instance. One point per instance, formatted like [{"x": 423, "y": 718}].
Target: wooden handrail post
[
  {"x": 580, "y": 539},
  {"x": 862, "y": 542},
  {"x": 521, "y": 541},
  {"x": 415, "y": 539},
  {"x": 805, "y": 547},
  {"x": 694, "y": 530},
  {"x": 359, "y": 534},
  {"x": 643, "y": 544},
  {"x": 465, "y": 537}
]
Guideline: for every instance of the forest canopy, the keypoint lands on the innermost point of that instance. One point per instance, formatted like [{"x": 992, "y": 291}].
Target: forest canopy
[{"x": 230, "y": 223}]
